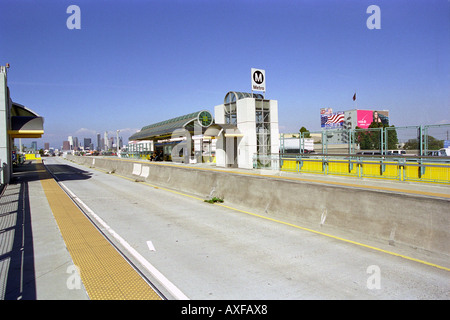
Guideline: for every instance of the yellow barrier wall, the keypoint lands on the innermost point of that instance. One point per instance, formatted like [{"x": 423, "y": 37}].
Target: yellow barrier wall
[
  {"x": 368, "y": 169},
  {"x": 32, "y": 156}
]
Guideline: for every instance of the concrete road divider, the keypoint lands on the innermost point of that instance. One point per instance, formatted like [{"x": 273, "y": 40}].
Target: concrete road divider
[{"x": 395, "y": 218}]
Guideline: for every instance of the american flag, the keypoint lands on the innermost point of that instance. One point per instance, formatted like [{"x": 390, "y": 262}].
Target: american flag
[{"x": 335, "y": 118}]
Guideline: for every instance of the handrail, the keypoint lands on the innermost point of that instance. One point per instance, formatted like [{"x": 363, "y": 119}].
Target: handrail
[{"x": 431, "y": 169}]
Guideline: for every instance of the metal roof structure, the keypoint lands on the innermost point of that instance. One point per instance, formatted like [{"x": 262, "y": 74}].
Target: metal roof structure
[
  {"x": 233, "y": 96},
  {"x": 166, "y": 127},
  {"x": 25, "y": 123}
]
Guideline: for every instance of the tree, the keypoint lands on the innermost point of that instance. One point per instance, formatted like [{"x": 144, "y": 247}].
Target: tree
[
  {"x": 371, "y": 139},
  {"x": 432, "y": 142},
  {"x": 411, "y": 144},
  {"x": 435, "y": 144},
  {"x": 362, "y": 137},
  {"x": 392, "y": 138},
  {"x": 305, "y": 132}
]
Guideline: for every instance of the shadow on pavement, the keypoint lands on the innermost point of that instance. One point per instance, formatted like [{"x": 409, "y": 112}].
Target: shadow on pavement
[
  {"x": 17, "y": 258},
  {"x": 17, "y": 271},
  {"x": 30, "y": 171},
  {"x": 65, "y": 172}
]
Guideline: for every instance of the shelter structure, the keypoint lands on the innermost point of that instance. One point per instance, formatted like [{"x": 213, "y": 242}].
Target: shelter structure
[
  {"x": 179, "y": 139},
  {"x": 244, "y": 129},
  {"x": 16, "y": 121}
]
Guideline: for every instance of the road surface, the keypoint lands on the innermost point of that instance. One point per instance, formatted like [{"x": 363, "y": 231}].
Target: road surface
[{"x": 209, "y": 251}]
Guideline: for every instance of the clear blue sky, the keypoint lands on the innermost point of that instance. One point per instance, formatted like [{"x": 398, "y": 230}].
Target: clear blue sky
[{"x": 134, "y": 63}]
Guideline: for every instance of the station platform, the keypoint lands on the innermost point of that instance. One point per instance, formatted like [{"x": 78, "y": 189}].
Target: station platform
[{"x": 49, "y": 250}]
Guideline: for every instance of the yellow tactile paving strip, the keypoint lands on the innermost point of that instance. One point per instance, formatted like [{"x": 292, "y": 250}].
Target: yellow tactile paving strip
[{"x": 105, "y": 274}]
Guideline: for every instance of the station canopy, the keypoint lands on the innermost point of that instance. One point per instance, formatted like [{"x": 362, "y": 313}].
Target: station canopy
[
  {"x": 204, "y": 118},
  {"x": 25, "y": 123},
  {"x": 233, "y": 96},
  {"x": 167, "y": 127}
]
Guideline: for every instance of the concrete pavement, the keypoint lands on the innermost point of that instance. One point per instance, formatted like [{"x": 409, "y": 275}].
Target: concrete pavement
[
  {"x": 34, "y": 261},
  {"x": 192, "y": 239},
  {"x": 403, "y": 215}
]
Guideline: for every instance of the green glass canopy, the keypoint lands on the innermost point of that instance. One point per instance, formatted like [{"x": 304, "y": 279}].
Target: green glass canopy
[{"x": 203, "y": 118}]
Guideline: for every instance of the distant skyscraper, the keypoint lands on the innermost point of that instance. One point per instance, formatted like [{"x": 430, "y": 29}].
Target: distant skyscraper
[
  {"x": 106, "y": 141},
  {"x": 66, "y": 146},
  {"x": 34, "y": 145},
  {"x": 87, "y": 143},
  {"x": 46, "y": 146},
  {"x": 99, "y": 142},
  {"x": 75, "y": 144},
  {"x": 70, "y": 139}
]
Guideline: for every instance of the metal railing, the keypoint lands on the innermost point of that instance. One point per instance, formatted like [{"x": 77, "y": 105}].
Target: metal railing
[
  {"x": 400, "y": 168},
  {"x": 423, "y": 139}
]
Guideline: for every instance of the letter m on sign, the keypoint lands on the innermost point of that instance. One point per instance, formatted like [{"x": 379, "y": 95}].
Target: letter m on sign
[{"x": 258, "y": 79}]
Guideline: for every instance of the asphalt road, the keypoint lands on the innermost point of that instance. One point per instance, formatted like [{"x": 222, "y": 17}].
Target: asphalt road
[{"x": 212, "y": 252}]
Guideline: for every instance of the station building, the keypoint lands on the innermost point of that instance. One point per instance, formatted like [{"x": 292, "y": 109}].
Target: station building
[
  {"x": 244, "y": 129},
  {"x": 180, "y": 139},
  {"x": 250, "y": 132},
  {"x": 16, "y": 121}
]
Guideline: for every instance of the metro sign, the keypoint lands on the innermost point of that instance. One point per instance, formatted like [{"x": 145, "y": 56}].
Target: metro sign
[{"x": 258, "y": 80}]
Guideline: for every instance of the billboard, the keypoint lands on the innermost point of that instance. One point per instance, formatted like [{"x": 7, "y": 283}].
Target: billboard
[
  {"x": 330, "y": 119},
  {"x": 365, "y": 117}
]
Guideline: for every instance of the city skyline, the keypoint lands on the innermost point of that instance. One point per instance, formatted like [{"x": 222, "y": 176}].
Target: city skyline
[
  {"x": 134, "y": 63},
  {"x": 72, "y": 140}
]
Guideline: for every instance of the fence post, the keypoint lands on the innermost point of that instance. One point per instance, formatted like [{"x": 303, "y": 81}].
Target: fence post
[
  {"x": 401, "y": 169},
  {"x": 420, "y": 140}
]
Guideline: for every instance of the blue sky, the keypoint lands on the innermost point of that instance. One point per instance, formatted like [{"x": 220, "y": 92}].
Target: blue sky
[{"x": 134, "y": 63}]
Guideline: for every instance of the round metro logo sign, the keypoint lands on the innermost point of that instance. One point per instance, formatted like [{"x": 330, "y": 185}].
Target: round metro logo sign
[{"x": 258, "y": 79}]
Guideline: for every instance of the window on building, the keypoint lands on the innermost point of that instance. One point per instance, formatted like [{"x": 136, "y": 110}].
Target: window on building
[
  {"x": 230, "y": 113},
  {"x": 262, "y": 127}
]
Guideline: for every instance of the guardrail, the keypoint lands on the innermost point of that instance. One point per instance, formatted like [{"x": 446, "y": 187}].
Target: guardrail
[{"x": 400, "y": 168}]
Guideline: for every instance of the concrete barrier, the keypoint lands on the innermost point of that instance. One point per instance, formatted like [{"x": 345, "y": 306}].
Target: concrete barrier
[{"x": 414, "y": 221}]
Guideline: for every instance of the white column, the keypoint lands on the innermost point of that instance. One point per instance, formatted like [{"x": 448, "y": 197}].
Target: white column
[{"x": 5, "y": 146}]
